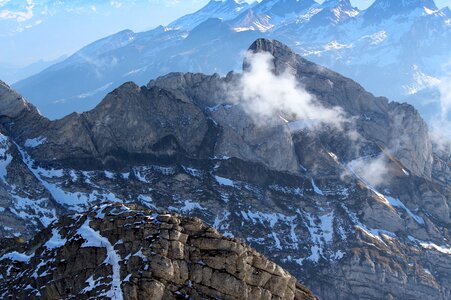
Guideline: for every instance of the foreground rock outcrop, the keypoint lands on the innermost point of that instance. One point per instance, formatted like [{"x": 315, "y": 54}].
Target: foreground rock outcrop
[{"x": 124, "y": 253}]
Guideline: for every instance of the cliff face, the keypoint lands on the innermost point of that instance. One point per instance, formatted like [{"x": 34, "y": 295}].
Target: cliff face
[
  {"x": 171, "y": 116},
  {"x": 393, "y": 125},
  {"x": 368, "y": 202},
  {"x": 124, "y": 253}
]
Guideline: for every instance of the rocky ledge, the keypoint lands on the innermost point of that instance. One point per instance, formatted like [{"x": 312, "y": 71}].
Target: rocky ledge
[{"x": 123, "y": 252}]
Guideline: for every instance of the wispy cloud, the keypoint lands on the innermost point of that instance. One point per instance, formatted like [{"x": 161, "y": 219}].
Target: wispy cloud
[
  {"x": 3, "y": 2},
  {"x": 441, "y": 124},
  {"x": 372, "y": 171},
  {"x": 116, "y": 4},
  {"x": 445, "y": 101},
  {"x": 266, "y": 96},
  {"x": 22, "y": 14}
]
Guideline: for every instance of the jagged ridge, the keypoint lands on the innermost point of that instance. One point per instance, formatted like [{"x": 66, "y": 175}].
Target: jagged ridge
[{"x": 128, "y": 253}]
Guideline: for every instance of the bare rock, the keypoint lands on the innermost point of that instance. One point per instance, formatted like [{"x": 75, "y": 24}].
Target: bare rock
[{"x": 84, "y": 256}]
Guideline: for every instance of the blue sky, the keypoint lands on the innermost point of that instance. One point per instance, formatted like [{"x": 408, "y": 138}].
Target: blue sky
[{"x": 31, "y": 30}]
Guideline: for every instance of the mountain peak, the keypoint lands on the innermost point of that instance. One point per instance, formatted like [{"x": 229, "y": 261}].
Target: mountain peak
[
  {"x": 221, "y": 9},
  {"x": 287, "y": 5},
  {"x": 332, "y": 12},
  {"x": 11, "y": 103},
  {"x": 278, "y": 50},
  {"x": 268, "y": 45},
  {"x": 387, "y": 8},
  {"x": 284, "y": 57},
  {"x": 335, "y": 3}
]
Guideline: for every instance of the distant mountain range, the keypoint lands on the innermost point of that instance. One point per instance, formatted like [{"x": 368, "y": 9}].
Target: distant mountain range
[
  {"x": 398, "y": 49},
  {"x": 12, "y": 73}
]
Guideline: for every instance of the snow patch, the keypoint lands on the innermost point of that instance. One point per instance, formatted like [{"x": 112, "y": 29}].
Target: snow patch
[
  {"x": 36, "y": 142},
  {"x": 321, "y": 232},
  {"x": 38, "y": 207},
  {"x": 93, "y": 92},
  {"x": 140, "y": 174},
  {"x": 373, "y": 233},
  {"x": 56, "y": 241},
  {"x": 446, "y": 249},
  {"x": 16, "y": 256},
  {"x": 397, "y": 203},
  {"x": 193, "y": 172},
  {"x": 109, "y": 175},
  {"x": 376, "y": 38},
  {"x": 316, "y": 189},
  {"x": 287, "y": 190},
  {"x": 94, "y": 239},
  {"x": 187, "y": 207},
  {"x": 92, "y": 284},
  {"x": 221, "y": 224},
  {"x": 147, "y": 201},
  {"x": 269, "y": 218},
  {"x": 224, "y": 181},
  {"x": 75, "y": 200}
]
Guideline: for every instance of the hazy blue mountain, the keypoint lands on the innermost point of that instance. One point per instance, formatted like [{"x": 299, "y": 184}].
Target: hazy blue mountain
[
  {"x": 222, "y": 9},
  {"x": 11, "y": 73},
  {"x": 394, "y": 48}
]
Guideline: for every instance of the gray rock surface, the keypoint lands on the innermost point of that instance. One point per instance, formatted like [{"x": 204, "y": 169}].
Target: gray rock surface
[
  {"x": 130, "y": 253},
  {"x": 13, "y": 104},
  {"x": 25, "y": 204},
  {"x": 395, "y": 126}
]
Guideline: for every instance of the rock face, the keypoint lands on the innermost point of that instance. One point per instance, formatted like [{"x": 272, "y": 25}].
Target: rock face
[
  {"x": 368, "y": 203},
  {"x": 238, "y": 136},
  {"x": 406, "y": 133},
  {"x": 171, "y": 115},
  {"x": 13, "y": 104},
  {"x": 22, "y": 194},
  {"x": 125, "y": 253}
]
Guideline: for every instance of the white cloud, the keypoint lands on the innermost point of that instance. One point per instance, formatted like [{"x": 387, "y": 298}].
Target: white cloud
[
  {"x": 266, "y": 96},
  {"x": 3, "y": 2},
  {"x": 18, "y": 15},
  {"x": 441, "y": 124},
  {"x": 372, "y": 171},
  {"x": 445, "y": 98},
  {"x": 115, "y": 4}
]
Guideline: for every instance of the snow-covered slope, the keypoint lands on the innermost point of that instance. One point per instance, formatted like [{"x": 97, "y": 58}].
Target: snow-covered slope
[
  {"x": 382, "y": 9},
  {"x": 221, "y": 9},
  {"x": 269, "y": 14}
]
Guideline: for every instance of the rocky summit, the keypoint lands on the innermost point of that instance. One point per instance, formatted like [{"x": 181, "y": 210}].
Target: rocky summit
[
  {"x": 355, "y": 204},
  {"x": 122, "y": 252}
]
